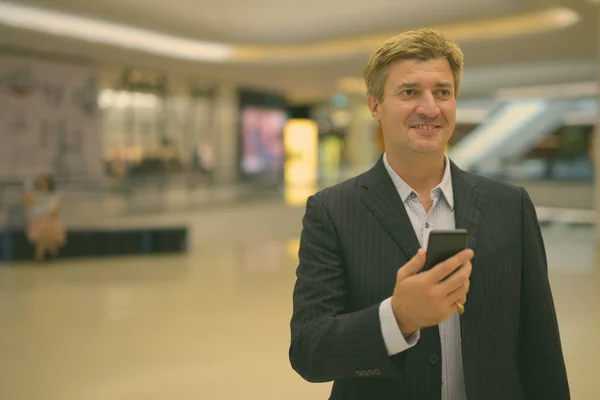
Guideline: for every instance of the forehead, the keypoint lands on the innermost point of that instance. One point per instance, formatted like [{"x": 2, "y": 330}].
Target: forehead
[{"x": 430, "y": 72}]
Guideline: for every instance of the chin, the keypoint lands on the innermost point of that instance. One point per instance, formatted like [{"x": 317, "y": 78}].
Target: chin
[{"x": 428, "y": 149}]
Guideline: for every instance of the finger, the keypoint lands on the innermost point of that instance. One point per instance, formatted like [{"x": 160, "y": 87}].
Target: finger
[
  {"x": 413, "y": 266},
  {"x": 440, "y": 271},
  {"x": 457, "y": 279},
  {"x": 459, "y": 295}
]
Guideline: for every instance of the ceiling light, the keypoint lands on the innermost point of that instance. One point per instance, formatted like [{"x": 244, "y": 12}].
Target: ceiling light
[
  {"x": 486, "y": 29},
  {"x": 551, "y": 91},
  {"x": 94, "y": 30},
  {"x": 518, "y": 25}
]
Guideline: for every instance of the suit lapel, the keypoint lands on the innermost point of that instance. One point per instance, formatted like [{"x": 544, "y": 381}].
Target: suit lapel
[
  {"x": 381, "y": 197},
  {"x": 469, "y": 199},
  {"x": 469, "y": 202}
]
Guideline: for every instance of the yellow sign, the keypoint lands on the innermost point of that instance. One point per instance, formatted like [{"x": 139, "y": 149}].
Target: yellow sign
[{"x": 301, "y": 142}]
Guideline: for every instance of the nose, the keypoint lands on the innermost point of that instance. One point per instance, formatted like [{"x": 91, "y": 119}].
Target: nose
[{"x": 427, "y": 107}]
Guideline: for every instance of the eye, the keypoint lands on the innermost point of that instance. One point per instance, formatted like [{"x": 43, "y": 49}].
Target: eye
[
  {"x": 444, "y": 92},
  {"x": 409, "y": 92}
]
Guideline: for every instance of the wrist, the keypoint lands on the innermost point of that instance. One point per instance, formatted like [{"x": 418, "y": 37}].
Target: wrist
[{"x": 407, "y": 329}]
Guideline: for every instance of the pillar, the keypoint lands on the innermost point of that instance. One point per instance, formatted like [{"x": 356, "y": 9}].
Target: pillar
[
  {"x": 360, "y": 136},
  {"x": 225, "y": 133}
]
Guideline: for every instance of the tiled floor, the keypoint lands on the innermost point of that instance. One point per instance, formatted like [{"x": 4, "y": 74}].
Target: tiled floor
[{"x": 212, "y": 324}]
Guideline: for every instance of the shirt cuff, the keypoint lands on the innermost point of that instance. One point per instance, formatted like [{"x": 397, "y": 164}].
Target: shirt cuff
[{"x": 394, "y": 339}]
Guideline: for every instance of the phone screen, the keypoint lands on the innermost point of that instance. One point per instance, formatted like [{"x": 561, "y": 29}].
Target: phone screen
[{"x": 444, "y": 244}]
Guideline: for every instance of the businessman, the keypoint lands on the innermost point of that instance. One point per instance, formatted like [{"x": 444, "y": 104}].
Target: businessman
[{"x": 366, "y": 316}]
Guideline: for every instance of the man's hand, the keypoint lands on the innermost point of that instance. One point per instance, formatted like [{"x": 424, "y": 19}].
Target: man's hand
[{"x": 426, "y": 299}]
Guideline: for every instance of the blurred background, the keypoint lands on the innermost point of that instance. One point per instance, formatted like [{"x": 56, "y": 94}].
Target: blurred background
[{"x": 156, "y": 157}]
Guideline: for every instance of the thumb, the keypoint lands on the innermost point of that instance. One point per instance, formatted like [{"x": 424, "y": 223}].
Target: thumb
[{"x": 413, "y": 266}]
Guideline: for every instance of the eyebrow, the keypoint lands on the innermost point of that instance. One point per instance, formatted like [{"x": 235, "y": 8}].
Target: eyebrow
[
  {"x": 410, "y": 85},
  {"x": 444, "y": 85}
]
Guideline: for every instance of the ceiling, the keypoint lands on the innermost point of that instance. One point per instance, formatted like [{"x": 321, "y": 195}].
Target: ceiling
[
  {"x": 350, "y": 26},
  {"x": 278, "y": 21}
]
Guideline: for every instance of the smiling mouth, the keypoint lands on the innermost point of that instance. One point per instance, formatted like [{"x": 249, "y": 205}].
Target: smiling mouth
[{"x": 425, "y": 127}]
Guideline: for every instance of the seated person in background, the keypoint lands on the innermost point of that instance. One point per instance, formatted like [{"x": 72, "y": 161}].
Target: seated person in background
[{"x": 44, "y": 227}]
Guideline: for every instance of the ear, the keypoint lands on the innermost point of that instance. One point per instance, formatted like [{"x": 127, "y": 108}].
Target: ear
[{"x": 373, "y": 104}]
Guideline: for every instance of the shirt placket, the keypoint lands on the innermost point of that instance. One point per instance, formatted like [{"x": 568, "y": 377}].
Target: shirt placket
[{"x": 426, "y": 226}]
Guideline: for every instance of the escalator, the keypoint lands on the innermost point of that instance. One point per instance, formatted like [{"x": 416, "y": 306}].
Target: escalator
[{"x": 512, "y": 130}]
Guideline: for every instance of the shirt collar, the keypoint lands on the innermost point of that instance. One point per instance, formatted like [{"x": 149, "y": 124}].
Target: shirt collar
[{"x": 404, "y": 190}]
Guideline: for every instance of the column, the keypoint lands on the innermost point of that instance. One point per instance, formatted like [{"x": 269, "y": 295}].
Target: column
[
  {"x": 225, "y": 133},
  {"x": 360, "y": 137}
]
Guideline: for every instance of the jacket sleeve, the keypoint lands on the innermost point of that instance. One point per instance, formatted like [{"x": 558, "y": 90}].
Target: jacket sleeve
[
  {"x": 542, "y": 366},
  {"x": 327, "y": 343}
]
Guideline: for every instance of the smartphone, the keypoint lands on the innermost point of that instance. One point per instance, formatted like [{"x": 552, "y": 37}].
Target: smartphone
[{"x": 444, "y": 244}]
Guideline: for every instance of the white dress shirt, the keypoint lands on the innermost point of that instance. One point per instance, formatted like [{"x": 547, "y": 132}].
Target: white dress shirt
[{"x": 440, "y": 216}]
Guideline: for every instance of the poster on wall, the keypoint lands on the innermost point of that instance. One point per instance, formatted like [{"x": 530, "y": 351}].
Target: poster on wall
[
  {"x": 262, "y": 140},
  {"x": 49, "y": 120}
]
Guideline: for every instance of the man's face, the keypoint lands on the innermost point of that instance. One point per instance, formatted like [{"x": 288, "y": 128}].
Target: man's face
[{"x": 418, "y": 111}]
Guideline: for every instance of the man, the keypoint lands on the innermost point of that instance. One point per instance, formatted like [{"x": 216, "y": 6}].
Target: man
[{"x": 366, "y": 316}]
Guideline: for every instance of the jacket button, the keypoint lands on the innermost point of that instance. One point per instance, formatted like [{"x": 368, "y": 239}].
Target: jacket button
[{"x": 434, "y": 359}]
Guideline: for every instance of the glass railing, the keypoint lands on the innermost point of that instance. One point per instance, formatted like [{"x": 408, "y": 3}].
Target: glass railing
[{"x": 510, "y": 132}]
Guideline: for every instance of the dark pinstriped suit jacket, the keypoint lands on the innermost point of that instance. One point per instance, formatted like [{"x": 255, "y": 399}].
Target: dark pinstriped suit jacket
[{"x": 355, "y": 237}]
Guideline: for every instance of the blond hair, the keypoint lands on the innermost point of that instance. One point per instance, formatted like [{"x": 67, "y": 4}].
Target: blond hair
[{"x": 420, "y": 44}]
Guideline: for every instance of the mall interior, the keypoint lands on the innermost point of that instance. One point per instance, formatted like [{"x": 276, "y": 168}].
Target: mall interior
[{"x": 182, "y": 140}]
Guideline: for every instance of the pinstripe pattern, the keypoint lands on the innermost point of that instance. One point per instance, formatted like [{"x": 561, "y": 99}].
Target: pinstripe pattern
[
  {"x": 440, "y": 216},
  {"x": 357, "y": 234}
]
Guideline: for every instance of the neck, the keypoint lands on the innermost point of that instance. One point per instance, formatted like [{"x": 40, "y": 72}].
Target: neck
[{"x": 422, "y": 172}]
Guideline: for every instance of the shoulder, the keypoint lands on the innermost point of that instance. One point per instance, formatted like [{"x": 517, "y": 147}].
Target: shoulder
[
  {"x": 505, "y": 198},
  {"x": 340, "y": 193},
  {"x": 498, "y": 190}
]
